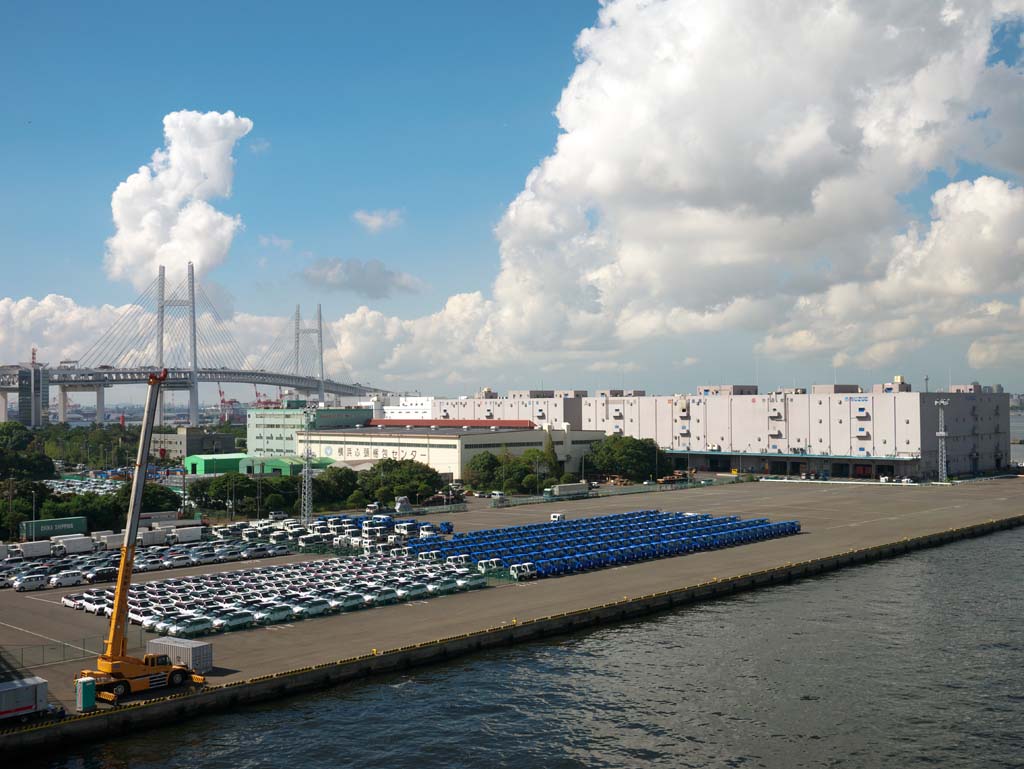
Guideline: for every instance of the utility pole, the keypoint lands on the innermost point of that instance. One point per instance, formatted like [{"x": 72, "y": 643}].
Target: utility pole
[
  {"x": 941, "y": 435},
  {"x": 307, "y": 473}
]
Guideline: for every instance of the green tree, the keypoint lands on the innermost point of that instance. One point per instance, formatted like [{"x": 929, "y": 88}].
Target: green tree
[
  {"x": 380, "y": 482},
  {"x": 275, "y": 502},
  {"x": 155, "y": 498},
  {"x": 528, "y": 485},
  {"x": 551, "y": 463},
  {"x": 335, "y": 484},
  {"x": 482, "y": 470},
  {"x": 628, "y": 457},
  {"x": 568, "y": 478},
  {"x": 14, "y": 436},
  {"x": 356, "y": 500}
]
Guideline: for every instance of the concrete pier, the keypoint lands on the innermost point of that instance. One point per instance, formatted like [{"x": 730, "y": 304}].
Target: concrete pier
[{"x": 843, "y": 526}]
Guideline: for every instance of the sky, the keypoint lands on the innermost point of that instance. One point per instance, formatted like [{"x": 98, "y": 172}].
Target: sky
[{"x": 655, "y": 194}]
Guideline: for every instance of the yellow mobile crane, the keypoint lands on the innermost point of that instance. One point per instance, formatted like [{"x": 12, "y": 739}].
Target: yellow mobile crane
[{"x": 116, "y": 673}]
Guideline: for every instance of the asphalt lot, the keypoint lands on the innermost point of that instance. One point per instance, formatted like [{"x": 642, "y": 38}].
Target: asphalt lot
[{"x": 835, "y": 518}]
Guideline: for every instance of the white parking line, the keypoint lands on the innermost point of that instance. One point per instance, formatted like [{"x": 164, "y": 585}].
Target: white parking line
[
  {"x": 40, "y": 635},
  {"x": 44, "y": 600}
]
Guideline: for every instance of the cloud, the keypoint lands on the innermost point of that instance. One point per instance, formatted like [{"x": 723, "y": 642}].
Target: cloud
[
  {"x": 371, "y": 278},
  {"x": 60, "y": 328},
  {"x": 375, "y": 221},
  {"x": 728, "y": 171},
  {"x": 258, "y": 146},
  {"x": 161, "y": 212},
  {"x": 741, "y": 169},
  {"x": 273, "y": 241}
]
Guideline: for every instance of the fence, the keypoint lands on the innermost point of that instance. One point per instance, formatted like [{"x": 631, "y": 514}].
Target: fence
[
  {"x": 35, "y": 655},
  {"x": 611, "y": 491}
]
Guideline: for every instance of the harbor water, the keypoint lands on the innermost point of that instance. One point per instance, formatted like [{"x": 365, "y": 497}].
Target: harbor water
[{"x": 916, "y": 661}]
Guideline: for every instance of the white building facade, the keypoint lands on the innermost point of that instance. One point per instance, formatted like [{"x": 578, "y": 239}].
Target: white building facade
[
  {"x": 844, "y": 432},
  {"x": 447, "y": 449}
]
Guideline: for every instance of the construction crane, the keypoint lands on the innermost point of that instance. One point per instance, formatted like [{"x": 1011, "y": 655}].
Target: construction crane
[{"x": 117, "y": 674}]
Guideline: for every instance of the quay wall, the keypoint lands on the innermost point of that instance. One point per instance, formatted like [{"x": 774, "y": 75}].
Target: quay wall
[{"x": 157, "y": 712}]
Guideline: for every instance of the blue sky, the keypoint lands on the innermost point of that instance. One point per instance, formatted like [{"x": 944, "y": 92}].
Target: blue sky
[
  {"x": 440, "y": 114},
  {"x": 443, "y": 112}
]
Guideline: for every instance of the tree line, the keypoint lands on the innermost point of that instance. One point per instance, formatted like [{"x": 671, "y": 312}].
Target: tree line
[{"x": 534, "y": 470}]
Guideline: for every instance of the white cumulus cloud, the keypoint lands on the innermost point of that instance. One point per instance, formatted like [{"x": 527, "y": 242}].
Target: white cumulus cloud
[
  {"x": 740, "y": 168},
  {"x": 162, "y": 212}
]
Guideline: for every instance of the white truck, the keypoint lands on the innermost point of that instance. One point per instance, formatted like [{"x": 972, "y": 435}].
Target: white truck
[
  {"x": 581, "y": 489},
  {"x": 110, "y": 541},
  {"x": 184, "y": 534},
  {"x": 36, "y": 549},
  {"x": 23, "y": 699},
  {"x": 73, "y": 545},
  {"x": 154, "y": 537}
]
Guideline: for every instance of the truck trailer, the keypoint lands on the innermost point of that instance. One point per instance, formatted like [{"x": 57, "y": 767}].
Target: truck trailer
[
  {"x": 36, "y": 549},
  {"x": 183, "y": 534},
  {"x": 24, "y": 699},
  {"x": 73, "y": 545},
  {"x": 568, "y": 490},
  {"x": 147, "y": 538}
]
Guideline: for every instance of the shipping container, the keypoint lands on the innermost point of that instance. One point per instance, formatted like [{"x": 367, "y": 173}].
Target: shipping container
[
  {"x": 197, "y": 655},
  {"x": 160, "y": 515},
  {"x": 22, "y": 698},
  {"x": 46, "y": 528}
]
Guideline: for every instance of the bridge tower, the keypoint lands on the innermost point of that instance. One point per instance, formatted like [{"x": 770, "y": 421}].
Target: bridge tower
[
  {"x": 318, "y": 331},
  {"x": 161, "y": 288},
  {"x": 190, "y": 304}
]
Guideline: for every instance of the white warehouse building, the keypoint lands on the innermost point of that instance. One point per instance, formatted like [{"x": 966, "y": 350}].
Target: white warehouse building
[
  {"x": 448, "y": 449},
  {"x": 844, "y": 432}
]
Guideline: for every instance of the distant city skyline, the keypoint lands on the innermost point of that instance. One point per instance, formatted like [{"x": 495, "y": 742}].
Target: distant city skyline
[{"x": 721, "y": 194}]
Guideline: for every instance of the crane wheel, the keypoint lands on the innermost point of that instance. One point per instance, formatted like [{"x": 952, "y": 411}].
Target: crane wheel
[
  {"x": 120, "y": 689},
  {"x": 177, "y": 678}
]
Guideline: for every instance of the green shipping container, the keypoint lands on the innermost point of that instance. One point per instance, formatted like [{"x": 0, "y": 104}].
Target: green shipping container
[{"x": 51, "y": 527}]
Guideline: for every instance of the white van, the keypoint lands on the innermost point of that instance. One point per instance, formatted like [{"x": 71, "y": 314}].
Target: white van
[
  {"x": 30, "y": 582},
  {"x": 497, "y": 495},
  {"x": 66, "y": 579}
]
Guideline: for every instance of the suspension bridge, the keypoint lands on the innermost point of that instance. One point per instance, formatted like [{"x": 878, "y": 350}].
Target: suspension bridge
[{"x": 181, "y": 331}]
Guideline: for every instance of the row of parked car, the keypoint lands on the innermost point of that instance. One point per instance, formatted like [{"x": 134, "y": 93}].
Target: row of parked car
[
  {"x": 235, "y": 600},
  {"x": 74, "y": 570}
]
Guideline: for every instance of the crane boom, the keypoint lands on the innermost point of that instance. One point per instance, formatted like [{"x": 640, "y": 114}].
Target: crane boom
[
  {"x": 117, "y": 674},
  {"x": 116, "y": 643}
]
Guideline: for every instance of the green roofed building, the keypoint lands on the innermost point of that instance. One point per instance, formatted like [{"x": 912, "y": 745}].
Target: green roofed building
[
  {"x": 210, "y": 464},
  {"x": 288, "y": 465}
]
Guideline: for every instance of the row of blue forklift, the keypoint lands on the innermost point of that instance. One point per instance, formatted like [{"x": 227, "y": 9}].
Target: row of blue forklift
[{"x": 568, "y": 546}]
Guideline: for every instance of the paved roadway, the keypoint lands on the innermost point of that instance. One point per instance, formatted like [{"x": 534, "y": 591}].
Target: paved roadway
[{"x": 835, "y": 518}]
